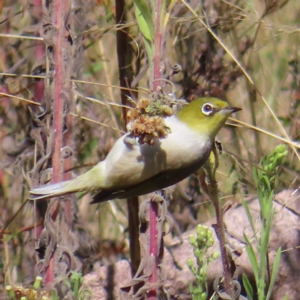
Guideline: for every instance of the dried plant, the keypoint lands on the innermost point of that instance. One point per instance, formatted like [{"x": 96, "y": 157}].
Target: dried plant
[{"x": 72, "y": 78}]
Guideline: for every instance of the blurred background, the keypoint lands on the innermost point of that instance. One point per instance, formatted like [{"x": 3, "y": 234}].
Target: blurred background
[{"x": 262, "y": 36}]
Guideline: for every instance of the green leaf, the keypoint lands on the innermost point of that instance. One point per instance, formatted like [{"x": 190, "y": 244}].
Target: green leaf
[
  {"x": 144, "y": 19},
  {"x": 274, "y": 272},
  {"x": 149, "y": 50},
  {"x": 249, "y": 218},
  {"x": 247, "y": 286},
  {"x": 146, "y": 26},
  {"x": 253, "y": 260},
  {"x": 255, "y": 176}
]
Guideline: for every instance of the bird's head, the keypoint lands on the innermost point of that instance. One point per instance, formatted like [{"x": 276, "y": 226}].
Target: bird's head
[{"x": 206, "y": 115}]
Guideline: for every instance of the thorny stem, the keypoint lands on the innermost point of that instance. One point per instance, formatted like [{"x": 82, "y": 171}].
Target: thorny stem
[
  {"x": 153, "y": 247},
  {"x": 153, "y": 210},
  {"x": 58, "y": 10}
]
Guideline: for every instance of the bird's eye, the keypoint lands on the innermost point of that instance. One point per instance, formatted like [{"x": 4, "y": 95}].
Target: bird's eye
[{"x": 207, "y": 109}]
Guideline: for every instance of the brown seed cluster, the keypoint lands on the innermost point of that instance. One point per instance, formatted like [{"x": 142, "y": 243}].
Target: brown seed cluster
[{"x": 147, "y": 120}]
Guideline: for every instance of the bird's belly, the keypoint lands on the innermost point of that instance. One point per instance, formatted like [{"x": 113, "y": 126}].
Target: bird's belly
[{"x": 127, "y": 165}]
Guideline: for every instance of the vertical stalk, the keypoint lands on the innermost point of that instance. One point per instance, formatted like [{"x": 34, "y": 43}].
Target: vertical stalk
[
  {"x": 212, "y": 190},
  {"x": 59, "y": 8},
  {"x": 125, "y": 77},
  {"x": 153, "y": 210},
  {"x": 153, "y": 247},
  {"x": 39, "y": 89},
  {"x": 67, "y": 140},
  {"x": 220, "y": 231}
]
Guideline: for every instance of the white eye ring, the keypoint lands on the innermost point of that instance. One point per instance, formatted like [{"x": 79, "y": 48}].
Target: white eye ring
[{"x": 207, "y": 109}]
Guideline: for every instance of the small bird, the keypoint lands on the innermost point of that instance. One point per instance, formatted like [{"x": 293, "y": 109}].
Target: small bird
[{"x": 134, "y": 169}]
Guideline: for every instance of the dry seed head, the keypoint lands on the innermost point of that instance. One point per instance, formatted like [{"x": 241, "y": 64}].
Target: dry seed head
[
  {"x": 147, "y": 129},
  {"x": 147, "y": 119},
  {"x": 143, "y": 104}
]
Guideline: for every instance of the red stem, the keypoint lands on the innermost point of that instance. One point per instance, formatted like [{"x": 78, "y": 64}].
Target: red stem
[
  {"x": 153, "y": 247},
  {"x": 153, "y": 211},
  {"x": 58, "y": 10}
]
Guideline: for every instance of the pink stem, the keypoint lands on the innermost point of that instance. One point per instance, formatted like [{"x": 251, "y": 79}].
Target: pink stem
[
  {"x": 153, "y": 246},
  {"x": 153, "y": 212},
  {"x": 57, "y": 107}
]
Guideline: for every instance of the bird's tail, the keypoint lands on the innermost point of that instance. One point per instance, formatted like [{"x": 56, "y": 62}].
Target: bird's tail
[
  {"x": 53, "y": 190},
  {"x": 85, "y": 182}
]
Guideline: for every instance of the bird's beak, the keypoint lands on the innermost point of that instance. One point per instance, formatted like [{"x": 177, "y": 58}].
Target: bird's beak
[{"x": 230, "y": 109}]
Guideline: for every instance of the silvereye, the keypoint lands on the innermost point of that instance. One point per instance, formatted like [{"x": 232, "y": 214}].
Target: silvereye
[{"x": 133, "y": 169}]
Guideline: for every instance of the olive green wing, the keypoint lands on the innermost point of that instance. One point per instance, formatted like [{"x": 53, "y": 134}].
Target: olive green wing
[{"x": 158, "y": 182}]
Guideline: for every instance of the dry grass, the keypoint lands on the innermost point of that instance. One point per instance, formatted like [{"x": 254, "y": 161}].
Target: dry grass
[{"x": 250, "y": 57}]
